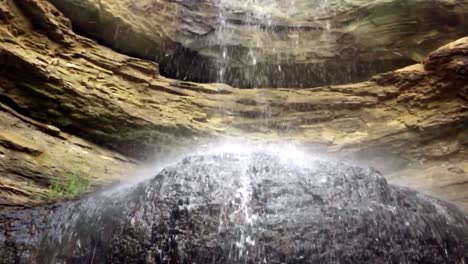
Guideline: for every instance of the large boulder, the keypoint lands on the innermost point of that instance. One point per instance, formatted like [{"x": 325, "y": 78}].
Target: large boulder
[
  {"x": 272, "y": 43},
  {"x": 243, "y": 207}
]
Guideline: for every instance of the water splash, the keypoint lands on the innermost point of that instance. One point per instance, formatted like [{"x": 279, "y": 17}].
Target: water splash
[{"x": 244, "y": 205}]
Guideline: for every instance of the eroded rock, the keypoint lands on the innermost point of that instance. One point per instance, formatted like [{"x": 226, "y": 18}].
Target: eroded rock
[
  {"x": 272, "y": 43},
  {"x": 31, "y": 160}
]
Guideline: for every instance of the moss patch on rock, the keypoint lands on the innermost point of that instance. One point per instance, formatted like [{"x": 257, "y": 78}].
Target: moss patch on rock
[{"x": 69, "y": 186}]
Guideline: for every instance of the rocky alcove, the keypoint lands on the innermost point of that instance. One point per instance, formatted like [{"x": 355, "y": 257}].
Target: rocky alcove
[
  {"x": 93, "y": 93},
  {"x": 265, "y": 43}
]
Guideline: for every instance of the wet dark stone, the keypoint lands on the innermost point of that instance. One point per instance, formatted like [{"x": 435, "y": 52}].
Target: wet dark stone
[{"x": 243, "y": 208}]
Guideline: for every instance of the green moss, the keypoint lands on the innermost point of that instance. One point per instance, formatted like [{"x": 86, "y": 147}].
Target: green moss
[{"x": 69, "y": 186}]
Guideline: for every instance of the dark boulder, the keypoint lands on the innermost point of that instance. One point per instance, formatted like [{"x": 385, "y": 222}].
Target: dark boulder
[{"x": 243, "y": 208}]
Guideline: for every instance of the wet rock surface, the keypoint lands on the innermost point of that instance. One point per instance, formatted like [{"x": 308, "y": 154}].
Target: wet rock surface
[
  {"x": 265, "y": 43},
  {"x": 59, "y": 83},
  {"x": 243, "y": 208}
]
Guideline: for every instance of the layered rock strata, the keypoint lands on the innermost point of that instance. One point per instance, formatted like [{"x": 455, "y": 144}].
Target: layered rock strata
[{"x": 410, "y": 123}]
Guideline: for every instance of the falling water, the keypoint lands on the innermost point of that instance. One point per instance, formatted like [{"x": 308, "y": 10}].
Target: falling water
[
  {"x": 240, "y": 204},
  {"x": 267, "y": 20}
]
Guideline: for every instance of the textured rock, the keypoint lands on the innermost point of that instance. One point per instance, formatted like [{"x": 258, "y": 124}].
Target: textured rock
[
  {"x": 244, "y": 208},
  {"x": 411, "y": 123},
  {"x": 282, "y": 43},
  {"x": 30, "y": 159}
]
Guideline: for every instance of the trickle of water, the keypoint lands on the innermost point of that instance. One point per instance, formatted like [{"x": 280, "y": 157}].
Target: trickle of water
[
  {"x": 254, "y": 56},
  {"x": 279, "y": 20}
]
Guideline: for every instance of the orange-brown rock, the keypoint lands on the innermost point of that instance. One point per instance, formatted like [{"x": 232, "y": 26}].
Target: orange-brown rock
[{"x": 265, "y": 43}]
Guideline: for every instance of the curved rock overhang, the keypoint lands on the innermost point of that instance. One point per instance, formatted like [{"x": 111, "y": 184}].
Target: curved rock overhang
[{"x": 271, "y": 43}]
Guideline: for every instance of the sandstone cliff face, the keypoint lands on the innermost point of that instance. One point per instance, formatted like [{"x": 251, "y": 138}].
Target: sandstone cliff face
[
  {"x": 411, "y": 123},
  {"x": 264, "y": 44},
  {"x": 32, "y": 155}
]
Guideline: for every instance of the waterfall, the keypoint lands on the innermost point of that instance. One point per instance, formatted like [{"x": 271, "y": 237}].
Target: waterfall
[{"x": 267, "y": 20}]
